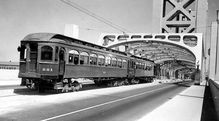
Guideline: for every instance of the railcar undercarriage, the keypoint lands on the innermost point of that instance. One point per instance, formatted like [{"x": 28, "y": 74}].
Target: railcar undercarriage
[{"x": 71, "y": 84}]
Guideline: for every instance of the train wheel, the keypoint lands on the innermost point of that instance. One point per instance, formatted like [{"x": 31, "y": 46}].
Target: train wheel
[
  {"x": 116, "y": 83},
  {"x": 137, "y": 81},
  {"x": 126, "y": 82},
  {"x": 98, "y": 83},
  {"x": 121, "y": 83},
  {"x": 131, "y": 81},
  {"x": 23, "y": 82}
]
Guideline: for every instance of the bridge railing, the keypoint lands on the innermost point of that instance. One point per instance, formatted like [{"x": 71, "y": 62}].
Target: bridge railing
[{"x": 214, "y": 86}]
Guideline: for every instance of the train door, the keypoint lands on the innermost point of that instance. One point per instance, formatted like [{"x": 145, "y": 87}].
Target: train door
[
  {"x": 33, "y": 57},
  {"x": 28, "y": 57},
  {"x": 131, "y": 68},
  {"x": 23, "y": 57},
  {"x": 61, "y": 62}
]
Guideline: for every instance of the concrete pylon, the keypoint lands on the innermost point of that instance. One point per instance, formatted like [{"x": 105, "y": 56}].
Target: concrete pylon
[
  {"x": 157, "y": 16},
  {"x": 213, "y": 46},
  {"x": 72, "y": 30},
  {"x": 217, "y": 52}
]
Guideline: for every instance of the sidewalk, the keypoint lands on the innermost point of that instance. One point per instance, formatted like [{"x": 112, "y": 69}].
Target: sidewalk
[
  {"x": 9, "y": 77},
  {"x": 9, "y": 82},
  {"x": 186, "y": 106}
]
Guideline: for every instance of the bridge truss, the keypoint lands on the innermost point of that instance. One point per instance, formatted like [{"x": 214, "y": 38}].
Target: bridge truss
[{"x": 171, "y": 51}]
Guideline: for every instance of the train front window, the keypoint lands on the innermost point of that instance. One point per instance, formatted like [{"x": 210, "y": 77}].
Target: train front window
[
  {"x": 23, "y": 52},
  {"x": 46, "y": 53}
]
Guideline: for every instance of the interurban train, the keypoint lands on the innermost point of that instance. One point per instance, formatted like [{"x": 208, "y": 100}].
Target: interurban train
[{"x": 47, "y": 59}]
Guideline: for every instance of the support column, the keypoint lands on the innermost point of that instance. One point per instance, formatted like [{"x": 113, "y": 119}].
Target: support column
[{"x": 213, "y": 49}]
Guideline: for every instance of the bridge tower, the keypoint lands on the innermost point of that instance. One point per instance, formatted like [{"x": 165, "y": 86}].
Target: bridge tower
[
  {"x": 176, "y": 41},
  {"x": 182, "y": 16},
  {"x": 179, "y": 16}
]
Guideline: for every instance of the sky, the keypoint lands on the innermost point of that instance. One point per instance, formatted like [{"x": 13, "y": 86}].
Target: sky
[{"x": 22, "y": 17}]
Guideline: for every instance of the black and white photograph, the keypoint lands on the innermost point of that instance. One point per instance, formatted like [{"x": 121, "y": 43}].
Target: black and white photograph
[{"x": 109, "y": 60}]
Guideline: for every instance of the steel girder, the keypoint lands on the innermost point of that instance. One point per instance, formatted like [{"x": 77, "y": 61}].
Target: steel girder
[{"x": 160, "y": 52}]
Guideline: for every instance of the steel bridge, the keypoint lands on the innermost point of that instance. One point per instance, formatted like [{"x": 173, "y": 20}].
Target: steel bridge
[{"x": 172, "y": 52}]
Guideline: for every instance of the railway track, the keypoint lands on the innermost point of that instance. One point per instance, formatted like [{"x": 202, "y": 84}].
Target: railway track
[{"x": 17, "y": 90}]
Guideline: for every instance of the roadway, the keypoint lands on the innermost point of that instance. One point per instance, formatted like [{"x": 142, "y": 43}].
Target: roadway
[{"x": 127, "y": 103}]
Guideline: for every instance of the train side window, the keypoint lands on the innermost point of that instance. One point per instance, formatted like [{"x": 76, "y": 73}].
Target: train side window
[
  {"x": 46, "y": 53},
  {"x": 101, "y": 60},
  {"x": 145, "y": 66},
  {"x": 138, "y": 65},
  {"x": 150, "y": 68},
  {"x": 114, "y": 62},
  {"x": 93, "y": 59},
  {"x": 131, "y": 64},
  {"x": 124, "y": 64},
  {"x": 134, "y": 64},
  {"x": 73, "y": 57},
  {"x": 119, "y": 63},
  {"x": 84, "y": 58},
  {"x": 142, "y": 66},
  {"x": 108, "y": 61}
]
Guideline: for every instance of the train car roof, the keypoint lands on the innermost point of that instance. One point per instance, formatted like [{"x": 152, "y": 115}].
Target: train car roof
[
  {"x": 141, "y": 58},
  {"x": 53, "y": 37},
  {"x": 64, "y": 39}
]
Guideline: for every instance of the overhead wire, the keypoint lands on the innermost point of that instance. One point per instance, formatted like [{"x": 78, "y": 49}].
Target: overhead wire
[
  {"x": 92, "y": 29},
  {"x": 99, "y": 18}
]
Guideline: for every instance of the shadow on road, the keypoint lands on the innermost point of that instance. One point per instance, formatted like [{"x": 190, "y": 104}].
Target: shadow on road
[
  {"x": 26, "y": 91},
  {"x": 208, "y": 108}
]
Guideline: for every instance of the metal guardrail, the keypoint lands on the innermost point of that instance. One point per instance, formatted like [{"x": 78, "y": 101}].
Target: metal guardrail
[{"x": 215, "y": 95}]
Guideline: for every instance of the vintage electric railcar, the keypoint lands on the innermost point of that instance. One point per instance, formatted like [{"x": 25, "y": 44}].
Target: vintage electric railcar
[{"x": 46, "y": 59}]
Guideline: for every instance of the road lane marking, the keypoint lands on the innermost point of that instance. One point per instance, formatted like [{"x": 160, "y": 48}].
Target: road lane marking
[{"x": 99, "y": 105}]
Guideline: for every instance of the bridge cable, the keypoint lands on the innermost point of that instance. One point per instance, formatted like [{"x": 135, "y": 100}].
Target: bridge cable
[{"x": 86, "y": 11}]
